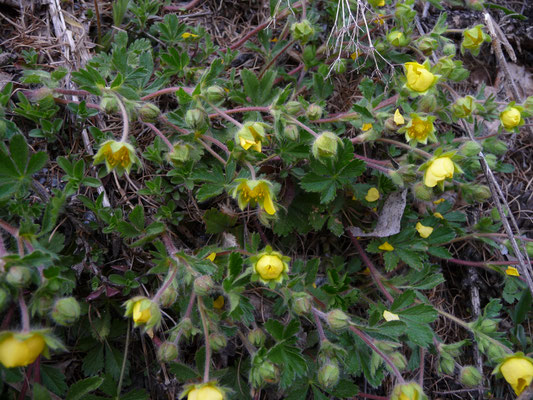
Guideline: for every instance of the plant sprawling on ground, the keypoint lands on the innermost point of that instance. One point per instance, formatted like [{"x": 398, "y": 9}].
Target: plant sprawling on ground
[{"x": 304, "y": 212}]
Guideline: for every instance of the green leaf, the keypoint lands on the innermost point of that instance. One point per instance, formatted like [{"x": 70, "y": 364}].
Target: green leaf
[
  {"x": 442, "y": 234},
  {"x": 319, "y": 184},
  {"x": 217, "y": 221},
  {"x": 113, "y": 362},
  {"x": 403, "y": 300},
  {"x": 135, "y": 394},
  {"x": 137, "y": 217},
  {"x": 36, "y": 163},
  {"x": 54, "y": 379},
  {"x": 411, "y": 258},
  {"x": 79, "y": 389},
  {"x": 182, "y": 372},
  {"x": 19, "y": 152},
  {"x": 40, "y": 392}
]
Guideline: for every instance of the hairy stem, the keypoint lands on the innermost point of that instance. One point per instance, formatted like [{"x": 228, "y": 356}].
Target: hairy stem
[{"x": 206, "y": 336}]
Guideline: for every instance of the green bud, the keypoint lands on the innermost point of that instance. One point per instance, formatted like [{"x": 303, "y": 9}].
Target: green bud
[
  {"x": 495, "y": 146},
  {"x": 301, "y": 303},
  {"x": 391, "y": 125},
  {"x": 408, "y": 391},
  {"x": 427, "y": 45},
  {"x": 397, "y": 39},
  {"x": 337, "y": 319},
  {"x": 215, "y": 93},
  {"x": 449, "y": 49},
  {"x": 217, "y": 341},
  {"x": 291, "y": 132},
  {"x": 427, "y": 103},
  {"x": 470, "y": 376},
  {"x": 325, "y": 146},
  {"x": 494, "y": 353},
  {"x": 18, "y": 276},
  {"x": 492, "y": 160},
  {"x": 422, "y": 192},
  {"x": 179, "y": 154},
  {"x": 203, "y": 285},
  {"x": 197, "y": 119},
  {"x": 529, "y": 249},
  {"x": 302, "y": 31},
  {"x": 187, "y": 327},
  {"x": 464, "y": 107},
  {"x": 268, "y": 372},
  {"x": 386, "y": 346},
  {"x": 149, "y": 112},
  {"x": 328, "y": 374},
  {"x": 66, "y": 311},
  {"x": 446, "y": 365},
  {"x": 168, "y": 297},
  {"x": 399, "y": 360},
  {"x": 293, "y": 107},
  {"x": 109, "y": 103},
  {"x": 470, "y": 148},
  {"x": 257, "y": 337},
  {"x": 488, "y": 326},
  {"x": 167, "y": 352},
  {"x": 314, "y": 112},
  {"x": 340, "y": 66}
]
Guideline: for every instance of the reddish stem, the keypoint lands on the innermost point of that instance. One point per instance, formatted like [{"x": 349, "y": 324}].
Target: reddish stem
[
  {"x": 160, "y": 134},
  {"x": 373, "y": 271},
  {"x": 168, "y": 90},
  {"x": 164, "y": 119},
  {"x": 242, "y": 110},
  {"x": 72, "y": 92}
]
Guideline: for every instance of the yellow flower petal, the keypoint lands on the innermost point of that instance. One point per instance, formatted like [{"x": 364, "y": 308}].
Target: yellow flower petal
[
  {"x": 218, "y": 303},
  {"x": 386, "y": 247},
  {"x": 390, "y": 316},
  {"x": 510, "y": 118},
  {"x": 438, "y": 170},
  {"x": 205, "y": 393},
  {"x": 141, "y": 316},
  {"x": 19, "y": 353},
  {"x": 518, "y": 372},
  {"x": 188, "y": 35},
  {"x": 366, "y": 127},
  {"x": 441, "y": 200},
  {"x": 419, "y": 78},
  {"x": 355, "y": 54},
  {"x": 398, "y": 117},
  {"x": 512, "y": 271},
  {"x": 438, "y": 215},
  {"x": 423, "y": 230},
  {"x": 372, "y": 195},
  {"x": 211, "y": 256}
]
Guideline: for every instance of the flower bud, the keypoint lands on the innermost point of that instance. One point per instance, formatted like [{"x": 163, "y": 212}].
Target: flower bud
[
  {"x": 464, "y": 107},
  {"x": 408, "y": 391},
  {"x": 179, "y": 154},
  {"x": 340, "y": 66},
  {"x": 265, "y": 372},
  {"x": 203, "y": 285},
  {"x": 449, "y": 49},
  {"x": 325, "y": 146},
  {"x": 197, "y": 119},
  {"x": 492, "y": 160},
  {"x": 257, "y": 337},
  {"x": 397, "y": 39},
  {"x": 144, "y": 311},
  {"x": 511, "y": 118},
  {"x": 66, "y": 311},
  {"x": 386, "y": 346},
  {"x": 328, "y": 374},
  {"x": 217, "y": 341},
  {"x": 18, "y": 349},
  {"x": 109, "y": 103},
  {"x": 215, "y": 93},
  {"x": 470, "y": 148},
  {"x": 302, "y": 31},
  {"x": 187, "y": 328},
  {"x": 399, "y": 360},
  {"x": 446, "y": 365},
  {"x": 314, "y": 112},
  {"x": 293, "y": 107},
  {"x": 167, "y": 352},
  {"x": 301, "y": 303},
  {"x": 529, "y": 249},
  {"x": 168, "y": 297},
  {"x": 473, "y": 192},
  {"x": 495, "y": 146},
  {"x": 18, "y": 276},
  {"x": 422, "y": 192},
  {"x": 495, "y": 353},
  {"x": 149, "y": 112},
  {"x": 427, "y": 45},
  {"x": 470, "y": 376},
  {"x": 488, "y": 325},
  {"x": 291, "y": 132},
  {"x": 427, "y": 104},
  {"x": 337, "y": 319}
]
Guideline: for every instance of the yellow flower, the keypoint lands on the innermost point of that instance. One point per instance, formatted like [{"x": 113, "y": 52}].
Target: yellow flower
[
  {"x": 372, "y": 195},
  {"x": 218, "y": 303},
  {"x": 366, "y": 127},
  {"x": 439, "y": 169},
  {"x": 255, "y": 191},
  {"x": 207, "y": 392},
  {"x": 419, "y": 78},
  {"x": 386, "y": 246},
  {"x": 398, "y": 117},
  {"x": 355, "y": 54},
  {"x": 518, "y": 372},
  {"x": 118, "y": 156},
  {"x": 141, "y": 315},
  {"x": 419, "y": 129},
  {"x": 512, "y": 271},
  {"x": 510, "y": 118},
  {"x": 15, "y": 352},
  {"x": 473, "y": 39},
  {"x": 423, "y": 230},
  {"x": 251, "y": 135},
  {"x": 270, "y": 266},
  {"x": 188, "y": 35},
  {"x": 211, "y": 257},
  {"x": 390, "y": 316},
  {"x": 438, "y": 215}
]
